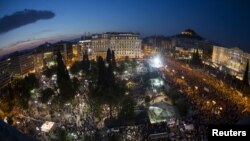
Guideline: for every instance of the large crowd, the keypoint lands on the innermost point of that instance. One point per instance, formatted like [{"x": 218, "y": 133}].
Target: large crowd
[{"x": 212, "y": 102}]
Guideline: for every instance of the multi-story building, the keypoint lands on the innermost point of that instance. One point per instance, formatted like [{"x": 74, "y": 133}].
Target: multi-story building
[
  {"x": 4, "y": 72},
  {"x": 38, "y": 61},
  {"x": 85, "y": 44},
  {"x": 230, "y": 60},
  {"x": 124, "y": 44},
  {"x": 21, "y": 64},
  {"x": 66, "y": 50},
  {"x": 183, "y": 53},
  {"x": 75, "y": 52},
  {"x": 26, "y": 63},
  {"x": 160, "y": 43},
  {"x": 148, "y": 49},
  {"x": 48, "y": 54}
]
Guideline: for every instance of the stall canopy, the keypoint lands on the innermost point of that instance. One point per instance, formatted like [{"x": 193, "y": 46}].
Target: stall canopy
[{"x": 46, "y": 127}]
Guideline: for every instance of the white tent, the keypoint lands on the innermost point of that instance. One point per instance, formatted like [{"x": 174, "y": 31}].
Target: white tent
[
  {"x": 189, "y": 127},
  {"x": 46, "y": 127},
  {"x": 161, "y": 112}
]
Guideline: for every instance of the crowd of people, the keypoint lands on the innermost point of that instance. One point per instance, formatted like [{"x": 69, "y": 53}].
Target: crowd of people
[{"x": 214, "y": 102}]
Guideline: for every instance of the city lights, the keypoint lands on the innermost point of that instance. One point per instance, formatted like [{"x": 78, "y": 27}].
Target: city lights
[
  {"x": 156, "y": 62},
  {"x": 122, "y": 71}
]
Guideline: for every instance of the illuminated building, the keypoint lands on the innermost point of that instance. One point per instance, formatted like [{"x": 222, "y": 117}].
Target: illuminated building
[
  {"x": 4, "y": 72},
  {"x": 65, "y": 49},
  {"x": 49, "y": 59},
  {"x": 160, "y": 43},
  {"x": 123, "y": 43},
  {"x": 148, "y": 49},
  {"x": 187, "y": 42},
  {"x": 183, "y": 53},
  {"x": 230, "y": 60},
  {"x": 85, "y": 44},
  {"x": 38, "y": 61},
  {"x": 26, "y": 63},
  {"x": 75, "y": 52}
]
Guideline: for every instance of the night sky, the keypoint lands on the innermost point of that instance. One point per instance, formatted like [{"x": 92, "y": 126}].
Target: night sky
[{"x": 223, "y": 21}]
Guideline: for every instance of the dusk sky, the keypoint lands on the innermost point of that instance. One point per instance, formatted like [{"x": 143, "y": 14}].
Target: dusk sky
[{"x": 224, "y": 21}]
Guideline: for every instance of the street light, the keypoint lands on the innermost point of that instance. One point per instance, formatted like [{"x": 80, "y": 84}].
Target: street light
[{"x": 156, "y": 62}]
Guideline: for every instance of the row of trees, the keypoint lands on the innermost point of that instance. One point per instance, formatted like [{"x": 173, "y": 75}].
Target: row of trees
[{"x": 109, "y": 90}]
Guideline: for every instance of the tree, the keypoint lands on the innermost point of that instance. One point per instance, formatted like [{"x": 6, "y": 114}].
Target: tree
[
  {"x": 109, "y": 56},
  {"x": 101, "y": 71},
  {"x": 48, "y": 72},
  {"x": 127, "y": 59},
  {"x": 245, "y": 77},
  {"x": 147, "y": 99},
  {"x": 46, "y": 95},
  {"x": 133, "y": 63},
  {"x": 196, "y": 60},
  {"x": 128, "y": 105},
  {"x": 24, "y": 87},
  {"x": 64, "y": 135},
  {"x": 63, "y": 80},
  {"x": 113, "y": 59},
  {"x": 62, "y": 72},
  {"x": 76, "y": 68},
  {"x": 86, "y": 62},
  {"x": 76, "y": 83},
  {"x": 122, "y": 67}
]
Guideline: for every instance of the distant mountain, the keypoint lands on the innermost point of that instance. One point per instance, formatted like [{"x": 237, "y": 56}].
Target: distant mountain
[
  {"x": 8, "y": 133},
  {"x": 189, "y": 33}
]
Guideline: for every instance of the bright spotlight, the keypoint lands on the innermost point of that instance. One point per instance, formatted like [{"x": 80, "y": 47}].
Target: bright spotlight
[{"x": 156, "y": 62}]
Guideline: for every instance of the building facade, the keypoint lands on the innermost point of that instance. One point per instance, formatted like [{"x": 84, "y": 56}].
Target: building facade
[
  {"x": 38, "y": 61},
  {"x": 183, "y": 53},
  {"x": 26, "y": 63},
  {"x": 124, "y": 44},
  {"x": 230, "y": 60},
  {"x": 65, "y": 48},
  {"x": 4, "y": 73}
]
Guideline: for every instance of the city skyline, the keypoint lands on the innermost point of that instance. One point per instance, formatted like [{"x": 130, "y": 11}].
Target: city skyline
[
  {"x": 127, "y": 70},
  {"x": 224, "y": 22}
]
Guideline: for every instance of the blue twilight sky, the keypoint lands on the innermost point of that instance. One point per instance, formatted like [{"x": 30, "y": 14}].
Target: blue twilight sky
[{"x": 224, "y": 21}]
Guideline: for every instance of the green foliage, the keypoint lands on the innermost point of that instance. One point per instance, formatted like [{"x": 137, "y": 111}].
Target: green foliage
[
  {"x": 67, "y": 91},
  {"x": 46, "y": 95},
  {"x": 122, "y": 67},
  {"x": 127, "y": 110},
  {"x": 115, "y": 138},
  {"x": 64, "y": 135},
  {"x": 127, "y": 59},
  {"x": 107, "y": 91},
  {"x": 196, "y": 60},
  {"x": 22, "y": 88},
  {"x": 85, "y": 61},
  {"x": 76, "y": 83},
  {"x": 147, "y": 99},
  {"x": 113, "y": 60},
  {"x": 109, "y": 56},
  {"x": 48, "y": 72},
  {"x": 133, "y": 63},
  {"x": 76, "y": 68}
]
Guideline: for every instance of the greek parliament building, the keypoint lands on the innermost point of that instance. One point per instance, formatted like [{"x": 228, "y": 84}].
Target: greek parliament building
[
  {"x": 123, "y": 43},
  {"x": 230, "y": 60}
]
